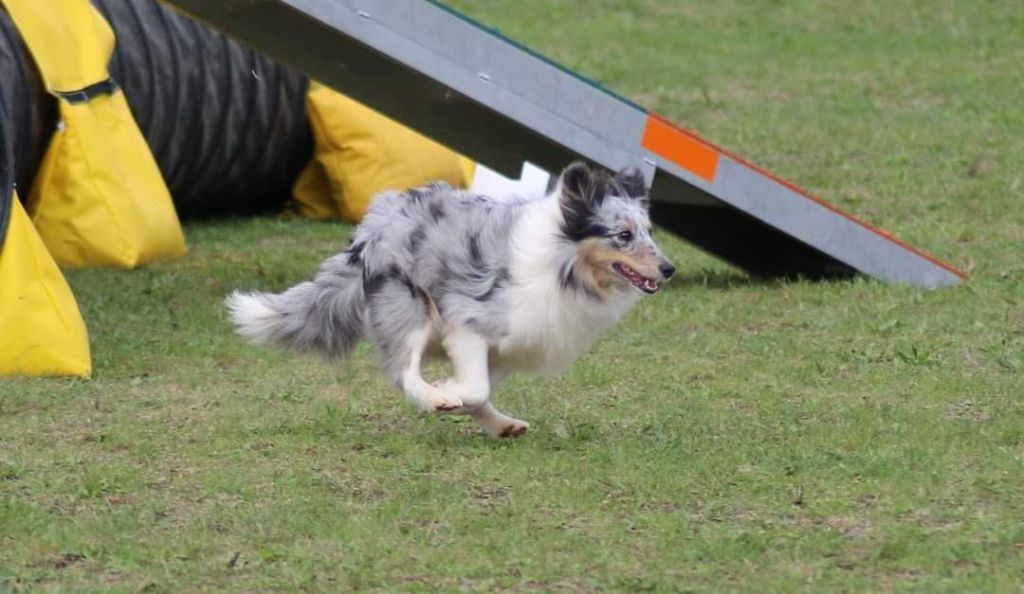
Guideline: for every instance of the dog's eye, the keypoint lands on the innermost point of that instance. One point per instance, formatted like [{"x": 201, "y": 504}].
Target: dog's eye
[{"x": 625, "y": 236}]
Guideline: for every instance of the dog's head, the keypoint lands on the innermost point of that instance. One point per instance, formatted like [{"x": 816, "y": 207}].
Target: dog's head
[{"x": 607, "y": 216}]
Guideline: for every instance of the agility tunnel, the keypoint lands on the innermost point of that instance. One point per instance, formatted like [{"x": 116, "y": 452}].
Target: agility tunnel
[
  {"x": 109, "y": 110},
  {"x": 120, "y": 116}
]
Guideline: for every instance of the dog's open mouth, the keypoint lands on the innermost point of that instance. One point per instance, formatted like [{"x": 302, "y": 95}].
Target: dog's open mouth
[{"x": 647, "y": 285}]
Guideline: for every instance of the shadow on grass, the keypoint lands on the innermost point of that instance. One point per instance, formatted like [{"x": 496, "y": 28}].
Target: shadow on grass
[
  {"x": 716, "y": 279},
  {"x": 735, "y": 279}
]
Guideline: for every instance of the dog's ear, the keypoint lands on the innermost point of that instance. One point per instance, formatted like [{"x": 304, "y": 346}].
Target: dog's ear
[
  {"x": 577, "y": 182},
  {"x": 581, "y": 194},
  {"x": 631, "y": 179},
  {"x": 580, "y": 187}
]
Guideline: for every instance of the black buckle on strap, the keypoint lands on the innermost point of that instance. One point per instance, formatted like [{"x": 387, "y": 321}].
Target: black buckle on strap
[{"x": 104, "y": 87}]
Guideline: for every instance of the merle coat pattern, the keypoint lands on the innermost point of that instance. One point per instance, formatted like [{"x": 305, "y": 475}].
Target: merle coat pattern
[{"x": 497, "y": 286}]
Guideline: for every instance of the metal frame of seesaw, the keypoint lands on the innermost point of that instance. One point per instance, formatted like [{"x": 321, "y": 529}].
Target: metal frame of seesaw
[{"x": 488, "y": 97}]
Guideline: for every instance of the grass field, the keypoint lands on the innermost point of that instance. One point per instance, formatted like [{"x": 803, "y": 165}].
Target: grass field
[{"x": 730, "y": 435}]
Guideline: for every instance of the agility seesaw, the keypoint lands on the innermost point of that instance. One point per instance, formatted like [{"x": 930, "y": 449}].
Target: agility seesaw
[{"x": 488, "y": 97}]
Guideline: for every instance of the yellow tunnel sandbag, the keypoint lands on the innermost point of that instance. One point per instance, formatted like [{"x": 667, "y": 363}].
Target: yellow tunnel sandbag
[
  {"x": 468, "y": 169},
  {"x": 363, "y": 153},
  {"x": 98, "y": 198},
  {"x": 312, "y": 194},
  {"x": 103, "y": 209},
  {"x": 41, "y": 329},
  {"x": 314, "y": 198}
]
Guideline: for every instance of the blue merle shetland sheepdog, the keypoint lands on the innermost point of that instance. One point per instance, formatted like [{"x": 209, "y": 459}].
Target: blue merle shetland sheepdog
[{"x": 496, "y": 286}]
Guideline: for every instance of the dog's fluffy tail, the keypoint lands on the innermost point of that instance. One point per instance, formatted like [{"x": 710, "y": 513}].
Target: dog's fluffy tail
[{"x": 323, "y": 316}]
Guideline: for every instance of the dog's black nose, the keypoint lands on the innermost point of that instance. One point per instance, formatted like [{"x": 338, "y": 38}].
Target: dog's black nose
[{"x": 667, "y": 270}]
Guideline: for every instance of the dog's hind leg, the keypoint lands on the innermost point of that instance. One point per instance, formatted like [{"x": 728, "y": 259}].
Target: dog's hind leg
[
  {"x": 400, "y": 323},
  {"x": 467, "y": 351},
  {"x": 410, "y": 378}
]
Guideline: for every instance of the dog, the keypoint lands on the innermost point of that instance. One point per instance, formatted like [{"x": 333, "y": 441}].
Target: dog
[{"x": 496, "y": 286}]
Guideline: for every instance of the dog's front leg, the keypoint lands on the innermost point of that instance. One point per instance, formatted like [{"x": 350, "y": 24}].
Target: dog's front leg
[
  {"x": 498, "y": 424},
  {"x": 493, "y": 421},
  {"x": 474, "y": 379}
]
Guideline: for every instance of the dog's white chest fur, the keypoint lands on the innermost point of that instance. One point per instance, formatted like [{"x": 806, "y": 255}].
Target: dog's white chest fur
[{"x": 549, "y": 327}]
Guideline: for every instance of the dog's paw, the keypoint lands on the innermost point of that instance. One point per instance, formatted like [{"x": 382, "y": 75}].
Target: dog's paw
[
  {"x": 514, "y": 429},
  {"x": 447, "y": 404},
  {"x": 470, "y": 396},
  {"x": 441, "y": 402}
]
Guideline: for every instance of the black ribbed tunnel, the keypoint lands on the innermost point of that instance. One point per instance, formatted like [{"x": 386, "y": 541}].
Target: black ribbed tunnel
[
  {"x": 226, "y": 125},
  {"x": 6, "y": 177}
]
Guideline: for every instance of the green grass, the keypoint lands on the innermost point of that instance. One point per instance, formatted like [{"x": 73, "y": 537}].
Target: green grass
[{"x": 729, "y": 435}]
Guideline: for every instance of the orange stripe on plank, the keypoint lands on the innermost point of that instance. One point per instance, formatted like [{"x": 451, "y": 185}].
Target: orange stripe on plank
[
  {"x": 675, "y": 145},
  {"x": 661, "y": 137}
]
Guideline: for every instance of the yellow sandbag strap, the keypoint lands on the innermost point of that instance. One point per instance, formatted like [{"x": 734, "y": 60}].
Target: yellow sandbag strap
[
  {"x": 70, "y": 41},
  {"x": 42, "y": 329},
  {"x": 98, "y": 198}
]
